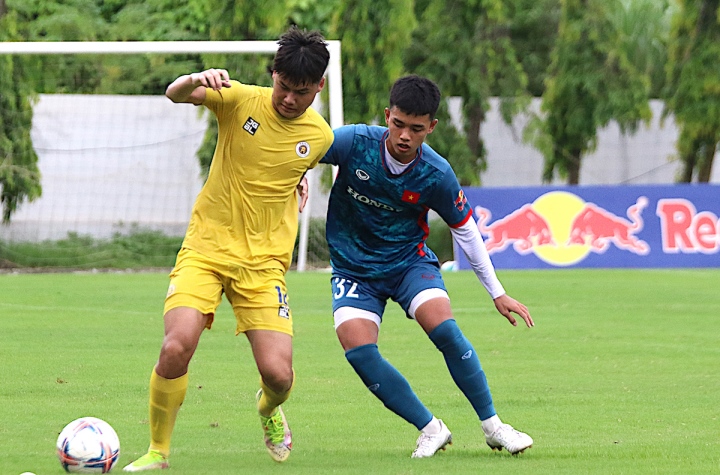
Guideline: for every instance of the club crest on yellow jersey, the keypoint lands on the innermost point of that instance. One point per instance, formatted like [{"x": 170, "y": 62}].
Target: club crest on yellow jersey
[{"x": 302, "y": 149}]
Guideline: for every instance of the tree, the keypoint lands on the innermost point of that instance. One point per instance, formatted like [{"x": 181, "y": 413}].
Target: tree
[
  {"x": 179, "y": 20},
  {"x": 112, "y": 20},
  {"x": 644, "y": 29},
  {"x": 533, "y": 32},
  {"x": 57, "y": 20},
  {"x": 151, "y": 20},
  {"x": 466, "y": 48},
  {"x": 693, "y": 85},
  {"x": 313, "y": 14},
  {"x": 374, "y": 36},
  {"x": 19, "y": 173},
  {"x": 591, "y": 82}
]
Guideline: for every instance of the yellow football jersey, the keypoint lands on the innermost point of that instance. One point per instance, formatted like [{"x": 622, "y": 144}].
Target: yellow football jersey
[{"x": 247, "y": 211}]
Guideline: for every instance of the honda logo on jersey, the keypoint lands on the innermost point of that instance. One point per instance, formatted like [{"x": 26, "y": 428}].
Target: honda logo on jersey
[{"x": 410, "y": 196}]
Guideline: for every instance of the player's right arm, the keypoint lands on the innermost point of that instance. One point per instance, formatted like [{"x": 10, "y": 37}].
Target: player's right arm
[{"x": 190, "y": 88}]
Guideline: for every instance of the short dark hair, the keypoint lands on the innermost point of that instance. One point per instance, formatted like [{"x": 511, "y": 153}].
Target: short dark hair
[
  {"x": 415, "y": 95},
  {"x": 302, "y": 56}
]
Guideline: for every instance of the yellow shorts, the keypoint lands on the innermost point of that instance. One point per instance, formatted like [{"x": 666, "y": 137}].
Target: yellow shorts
[{"x": 258, "y": 297}]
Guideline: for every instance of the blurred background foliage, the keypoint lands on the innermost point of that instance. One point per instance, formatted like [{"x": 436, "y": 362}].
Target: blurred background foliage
[{"x": 590, "y": 61}]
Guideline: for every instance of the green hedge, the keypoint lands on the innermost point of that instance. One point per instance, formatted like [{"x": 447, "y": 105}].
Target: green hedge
[{"x": 139, "y": 249}]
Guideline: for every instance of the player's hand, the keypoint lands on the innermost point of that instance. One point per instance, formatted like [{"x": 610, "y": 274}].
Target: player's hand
[
  {"x": 507, "y": 305},
  {"x": 215, "y": 79},
  {"x": 303, "y": 191}
]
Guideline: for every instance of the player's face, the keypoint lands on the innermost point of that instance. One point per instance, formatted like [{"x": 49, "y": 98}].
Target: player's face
[
  {"x": 292, "y": 100},
  {"x": 406, "y": 133}
]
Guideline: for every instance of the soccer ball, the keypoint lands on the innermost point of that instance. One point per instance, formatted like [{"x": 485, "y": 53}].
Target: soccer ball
[{"x": 88, "y": 445}]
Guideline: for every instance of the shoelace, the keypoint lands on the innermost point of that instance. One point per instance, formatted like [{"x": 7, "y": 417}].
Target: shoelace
[
  {"x": 274, "y": 428},
  {"x": 505, "y": 434},
  {"x": 426, "y": 441}
]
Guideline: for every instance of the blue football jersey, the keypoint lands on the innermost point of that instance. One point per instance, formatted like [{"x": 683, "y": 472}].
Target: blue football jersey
[{"x": 377, "y": 221}]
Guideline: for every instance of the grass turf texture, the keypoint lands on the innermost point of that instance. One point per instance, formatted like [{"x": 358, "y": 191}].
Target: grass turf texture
[{"x": 619, "y": 376}]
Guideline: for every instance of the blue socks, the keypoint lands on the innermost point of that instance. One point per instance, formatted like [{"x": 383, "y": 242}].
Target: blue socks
[
  {"x": 464, "y": 366},
  {"x": 388, "y": 385},
  {"x": 391, "y": 387}
]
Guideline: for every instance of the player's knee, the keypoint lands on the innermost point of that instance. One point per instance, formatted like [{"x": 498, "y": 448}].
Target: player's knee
[
  {"x": 362, "y": 355},
  {"x": 280, "y": 380},
  {"x": 175, "y": 352},
  {"x": 447, "y": 336}
]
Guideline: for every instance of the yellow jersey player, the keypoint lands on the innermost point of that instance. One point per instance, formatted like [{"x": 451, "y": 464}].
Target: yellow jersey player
[{"x": 242, "y": 232}]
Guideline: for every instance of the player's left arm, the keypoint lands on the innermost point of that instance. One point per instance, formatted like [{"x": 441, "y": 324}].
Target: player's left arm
[
  {"x": 470, "y": 240},
  {"x": 457, "y": 213},
  {"x": 507, "y": 305}
]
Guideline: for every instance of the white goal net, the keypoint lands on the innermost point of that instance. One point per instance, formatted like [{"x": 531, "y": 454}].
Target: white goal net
[{"x": 116, "y": 163}]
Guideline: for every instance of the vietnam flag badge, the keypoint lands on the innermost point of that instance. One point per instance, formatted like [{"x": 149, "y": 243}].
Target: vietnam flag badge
[{"x": 410, "y": 197}]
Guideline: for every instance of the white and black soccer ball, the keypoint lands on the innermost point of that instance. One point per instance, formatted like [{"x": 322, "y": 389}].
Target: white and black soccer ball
[{"x": 88, "y": 445}]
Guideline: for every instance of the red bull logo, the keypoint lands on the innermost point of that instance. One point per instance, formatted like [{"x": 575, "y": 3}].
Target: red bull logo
[
  {"x": 561, "y": 229},
  {"x": 687, "y": 230},
  {"x": 598, "y": 228},
  {"x": 524, "y": 228}
]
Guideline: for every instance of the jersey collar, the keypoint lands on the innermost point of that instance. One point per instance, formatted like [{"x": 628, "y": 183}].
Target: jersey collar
[{"x": 383, "y": 150}]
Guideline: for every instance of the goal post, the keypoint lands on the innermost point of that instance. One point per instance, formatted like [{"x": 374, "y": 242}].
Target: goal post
[
  {"x": 333, "y": 77},
  {"x": 334, "y": 72}
]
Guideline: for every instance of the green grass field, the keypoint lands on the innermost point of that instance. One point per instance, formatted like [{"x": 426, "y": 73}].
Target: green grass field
[{"x": 619, "y": 376}]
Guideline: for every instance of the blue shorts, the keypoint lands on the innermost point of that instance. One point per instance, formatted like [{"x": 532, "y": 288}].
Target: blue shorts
[{"x": 372, "y": 294}]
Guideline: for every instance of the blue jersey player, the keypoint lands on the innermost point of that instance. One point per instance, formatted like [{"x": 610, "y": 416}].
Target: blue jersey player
[{"x": 387, "y": 181}]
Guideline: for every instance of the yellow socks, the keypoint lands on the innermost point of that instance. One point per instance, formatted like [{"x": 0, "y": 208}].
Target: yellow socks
[
  {"x": 166, "y": 397},
  {"x": 270, "y": 400}
]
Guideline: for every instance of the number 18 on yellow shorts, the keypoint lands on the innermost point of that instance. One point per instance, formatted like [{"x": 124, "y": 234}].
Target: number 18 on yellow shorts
[{"x": 258, "y": 297}]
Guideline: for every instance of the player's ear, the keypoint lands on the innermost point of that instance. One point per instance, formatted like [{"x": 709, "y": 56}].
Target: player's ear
[
  {"x": 321, "y": 84},
  {"x": 433, "y": 123},
  {"x": 387, "y": 116}
]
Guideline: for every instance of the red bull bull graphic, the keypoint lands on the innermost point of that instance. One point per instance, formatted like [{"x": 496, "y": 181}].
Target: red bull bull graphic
[
  {"x": 599, "y": 226},
  {"x": 524, "y": 228}
]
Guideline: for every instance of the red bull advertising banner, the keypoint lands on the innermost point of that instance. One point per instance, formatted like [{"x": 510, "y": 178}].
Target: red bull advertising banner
[{"x": 598, "y": 226}]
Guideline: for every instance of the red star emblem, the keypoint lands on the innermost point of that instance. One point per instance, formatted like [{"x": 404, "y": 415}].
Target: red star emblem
[{"x": 410, "y": 196}]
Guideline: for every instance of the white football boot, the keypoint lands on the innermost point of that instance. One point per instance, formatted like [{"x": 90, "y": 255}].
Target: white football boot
[
  {"x": 428, "y": 445},
  {"x": 510, "y": 439}
]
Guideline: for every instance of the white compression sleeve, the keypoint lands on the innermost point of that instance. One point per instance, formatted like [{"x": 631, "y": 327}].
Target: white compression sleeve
[{"x": 470, "y": 240}]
